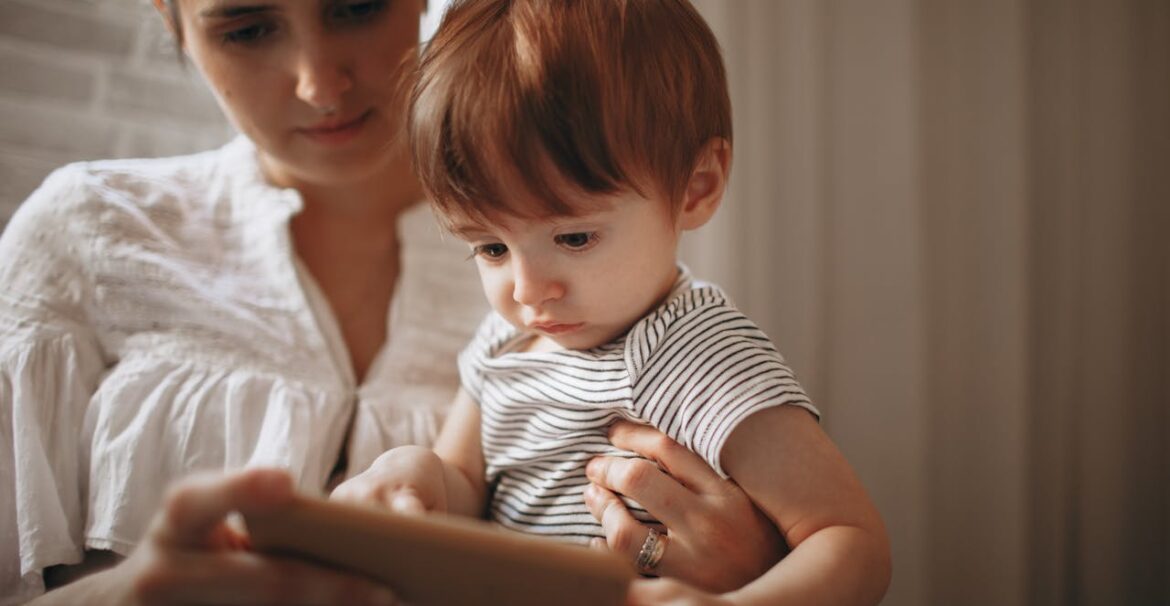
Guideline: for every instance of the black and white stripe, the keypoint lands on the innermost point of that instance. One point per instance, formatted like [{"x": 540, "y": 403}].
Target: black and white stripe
[{"x": 694, "y": 368}]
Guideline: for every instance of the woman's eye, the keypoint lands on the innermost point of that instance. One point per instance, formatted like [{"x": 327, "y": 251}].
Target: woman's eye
[
  {"x": 356, "y": 11},
  {"x": 248, "y": 35},
  {"x": 491, "y": 251},
  {"x": 577, "y": 240}
]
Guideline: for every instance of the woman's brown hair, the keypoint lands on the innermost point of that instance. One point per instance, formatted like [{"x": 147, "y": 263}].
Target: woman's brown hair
[{"x": 606, "y": 93}]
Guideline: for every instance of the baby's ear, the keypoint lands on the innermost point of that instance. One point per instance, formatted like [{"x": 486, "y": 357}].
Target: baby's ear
[{"x": 706, "y": 185}]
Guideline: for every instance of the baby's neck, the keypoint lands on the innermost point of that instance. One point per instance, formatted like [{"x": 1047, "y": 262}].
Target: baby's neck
[{"x": 539, "y": 344}]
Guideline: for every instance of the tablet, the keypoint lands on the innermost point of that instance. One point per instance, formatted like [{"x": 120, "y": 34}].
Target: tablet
[{"x": 441, "y": 559}]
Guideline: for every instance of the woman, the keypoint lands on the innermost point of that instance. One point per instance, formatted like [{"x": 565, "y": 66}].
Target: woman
[{"x": 228, "y": 310}]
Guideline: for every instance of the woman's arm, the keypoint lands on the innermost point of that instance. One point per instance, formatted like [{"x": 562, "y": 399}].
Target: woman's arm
[
  {"x": 192, "y": 556},
  {"x": 719, "y": 540}
]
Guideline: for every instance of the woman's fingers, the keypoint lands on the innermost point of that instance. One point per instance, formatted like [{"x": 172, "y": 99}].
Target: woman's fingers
[
  {"x": 705, "y": 514},
  {"x": 623, "y": 533},
  {"x": 195, "y": 510},
  {"x": 718, "y": 544},
  {"x": 683, "y": 465},
  {"x": 644, "y": 482},
  {"x": 187, "y": 557}
]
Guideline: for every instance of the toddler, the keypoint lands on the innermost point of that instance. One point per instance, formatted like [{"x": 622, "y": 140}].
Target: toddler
[{"x": 570, "y": 144}]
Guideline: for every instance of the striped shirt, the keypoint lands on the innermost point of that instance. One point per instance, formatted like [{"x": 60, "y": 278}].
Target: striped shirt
[{"x": 694, "y": 368}]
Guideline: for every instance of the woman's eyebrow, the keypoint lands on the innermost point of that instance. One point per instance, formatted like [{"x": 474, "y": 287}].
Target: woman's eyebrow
[{"x": 228, "y": 10}]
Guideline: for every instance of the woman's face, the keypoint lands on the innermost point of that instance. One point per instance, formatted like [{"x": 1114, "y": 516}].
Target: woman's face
[{"x": 315, "y": 83}]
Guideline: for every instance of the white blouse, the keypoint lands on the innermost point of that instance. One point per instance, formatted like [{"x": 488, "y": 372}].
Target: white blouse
[{"x": 155, "y": 321}]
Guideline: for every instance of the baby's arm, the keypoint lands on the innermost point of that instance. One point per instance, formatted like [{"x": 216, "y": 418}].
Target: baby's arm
[
  {"x": 840, "y": 551},
  {"x": 414, "y": 479},
  {"x": 461, "y": 450}
]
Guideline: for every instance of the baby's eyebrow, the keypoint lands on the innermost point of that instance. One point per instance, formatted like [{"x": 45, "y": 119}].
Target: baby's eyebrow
[
  {"x": 584, "y": 217},
  {"x": 467, "y": 232}
]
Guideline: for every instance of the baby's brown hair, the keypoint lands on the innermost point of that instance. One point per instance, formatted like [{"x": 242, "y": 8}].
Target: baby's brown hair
[{"x": 607, "y": 93}]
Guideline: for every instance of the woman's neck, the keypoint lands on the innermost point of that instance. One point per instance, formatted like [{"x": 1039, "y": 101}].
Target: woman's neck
[
  {"x": 346, "y": 235},
  {"x": 360, "y": 205},
  {"x": 352, "y": 215}
]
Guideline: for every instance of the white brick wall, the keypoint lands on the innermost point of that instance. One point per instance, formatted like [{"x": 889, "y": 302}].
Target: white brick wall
[{"x": 88, "y": 79}]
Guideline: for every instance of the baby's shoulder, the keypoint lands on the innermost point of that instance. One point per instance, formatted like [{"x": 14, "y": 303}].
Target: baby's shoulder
[
  {"x": 696, "y": 323},
  {"x": 700, "y": 307}
]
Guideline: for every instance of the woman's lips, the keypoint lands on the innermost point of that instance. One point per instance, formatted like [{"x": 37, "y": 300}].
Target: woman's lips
[{"x": 336, "y": 132}]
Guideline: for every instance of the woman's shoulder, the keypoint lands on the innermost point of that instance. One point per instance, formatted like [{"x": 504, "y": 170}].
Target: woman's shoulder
[
  {"x": 86, "y": 211},
  {"x": 78, "y": 193}
]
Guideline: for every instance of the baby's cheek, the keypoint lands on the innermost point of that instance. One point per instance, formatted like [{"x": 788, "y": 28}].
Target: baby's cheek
[{"x": 496, "y": 288}]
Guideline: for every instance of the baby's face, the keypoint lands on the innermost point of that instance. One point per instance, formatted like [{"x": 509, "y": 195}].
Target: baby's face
[{"x": 577, "y": 282}]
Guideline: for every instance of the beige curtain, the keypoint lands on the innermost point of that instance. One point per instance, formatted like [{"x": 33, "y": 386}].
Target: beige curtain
[{"x": 952, "y": 216}]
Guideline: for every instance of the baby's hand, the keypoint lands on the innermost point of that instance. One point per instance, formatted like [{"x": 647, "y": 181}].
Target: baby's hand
[{"x": 408, "y": 479}]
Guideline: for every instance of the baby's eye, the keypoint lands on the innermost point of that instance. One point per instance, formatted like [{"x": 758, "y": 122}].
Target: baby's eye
[
  {"x": 576, "y": 241},
  {"x": 490, "y": 251}
]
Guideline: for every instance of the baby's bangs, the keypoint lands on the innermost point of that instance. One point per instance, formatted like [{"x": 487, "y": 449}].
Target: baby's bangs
[{"x": 494, "y": 125}]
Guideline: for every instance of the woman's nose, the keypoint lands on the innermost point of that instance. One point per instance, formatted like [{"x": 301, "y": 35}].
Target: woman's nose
[{"x": 322, "y": 78}]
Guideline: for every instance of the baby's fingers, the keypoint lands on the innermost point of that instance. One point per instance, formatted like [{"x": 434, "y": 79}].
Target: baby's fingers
[
  {"x": 402, "y": 499},
  {"x": 407, "y": 502},
  {"x": 358, "y": 490}
]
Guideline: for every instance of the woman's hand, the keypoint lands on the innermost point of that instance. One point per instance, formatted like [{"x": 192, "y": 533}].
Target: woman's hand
[
  {"x": 191, "y": 555},
  {"x": 408, "y": 479},
  {"x": 717, "y": 539}
]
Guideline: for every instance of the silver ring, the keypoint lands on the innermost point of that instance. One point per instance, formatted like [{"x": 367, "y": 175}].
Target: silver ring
[{"x": 651, "y": 553}]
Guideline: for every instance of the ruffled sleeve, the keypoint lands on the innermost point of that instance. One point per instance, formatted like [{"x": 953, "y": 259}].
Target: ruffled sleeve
[{"x": 50, "y": 364}]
